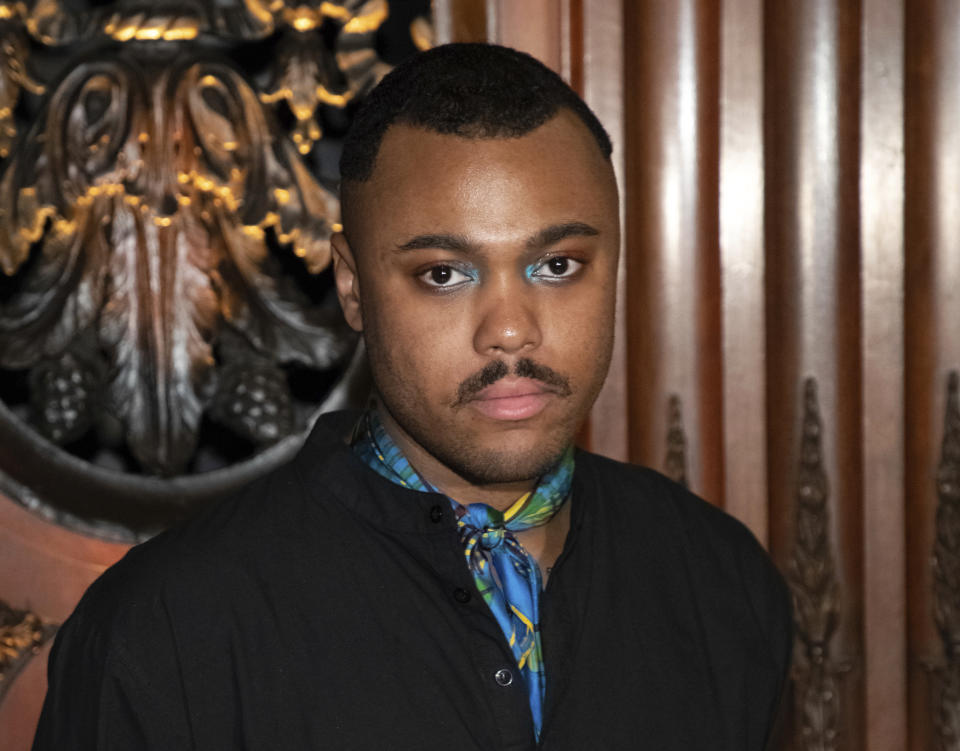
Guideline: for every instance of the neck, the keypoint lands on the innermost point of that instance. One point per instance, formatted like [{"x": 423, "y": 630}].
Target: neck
[{"x": 500, "y": 496}]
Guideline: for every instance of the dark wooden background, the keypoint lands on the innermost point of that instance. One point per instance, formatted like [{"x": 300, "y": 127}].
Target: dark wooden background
[{"x": 791, "y": 195}]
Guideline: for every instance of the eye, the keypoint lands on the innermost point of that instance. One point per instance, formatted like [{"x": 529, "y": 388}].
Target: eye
[
  {"x": 555, "y": 267},
  {"x": 446, "y": 277}
]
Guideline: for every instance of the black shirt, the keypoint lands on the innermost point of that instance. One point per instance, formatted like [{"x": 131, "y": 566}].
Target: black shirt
[{"x": 327, "y": 608}]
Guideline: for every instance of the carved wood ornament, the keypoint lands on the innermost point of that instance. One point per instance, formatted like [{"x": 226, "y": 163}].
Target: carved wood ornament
[
  {"x": 22, "y": 634},
  {"x": 165, "y": 225},
  {"x": 946, "y": 578},
  {"x": 817, "y": 676},
  {"x": 675, "y": 464}
]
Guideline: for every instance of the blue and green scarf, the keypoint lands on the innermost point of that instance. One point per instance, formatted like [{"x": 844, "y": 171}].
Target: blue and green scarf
[{"x": 505, "y": 575}]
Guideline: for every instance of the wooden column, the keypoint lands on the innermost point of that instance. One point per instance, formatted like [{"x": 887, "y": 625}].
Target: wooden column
[
  {"x": 671, "y": 55},
  {"x": 932, "y": 304},
  {"x": 742, "y": 264},
  {"x": 813, "y": 332},
  {"x": 603, "y": 89},
  {"x": 882, "y": 256}
]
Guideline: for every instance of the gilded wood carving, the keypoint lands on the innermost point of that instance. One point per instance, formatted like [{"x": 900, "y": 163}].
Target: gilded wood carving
[
  {"x": 946, "y": 578},
  {"x": 165, "y": 213},
  {"x": 150, "y": 217},
  {"x": 22, "y": 634},
  {"x": 816, "y": 674}
]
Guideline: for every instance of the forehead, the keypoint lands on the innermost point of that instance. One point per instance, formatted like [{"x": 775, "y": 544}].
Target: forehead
[{"x": 427, "y": 181}]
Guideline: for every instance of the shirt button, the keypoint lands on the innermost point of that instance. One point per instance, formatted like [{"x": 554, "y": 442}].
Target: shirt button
[
  {"x": 436, "y": 514},
  {"x": 461, "y": 595},
  {"x": 503, "y": 677}
]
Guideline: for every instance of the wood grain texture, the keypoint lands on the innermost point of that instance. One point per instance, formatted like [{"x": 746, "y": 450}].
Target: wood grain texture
[
  {"x": 882, "y": 280},
  {"x": 673, "y": 308},
  {"x": 813, "y": 318},
  {"x": 742, "y": 264},
  {"x": 534, "y": 26},
  {"x": 603, "y": 90},
  {"x": 460, "y": 21},
  {"x": 932, "y": 309}
]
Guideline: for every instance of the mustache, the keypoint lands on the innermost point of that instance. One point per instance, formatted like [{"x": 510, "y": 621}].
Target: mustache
[{"x": 524, "y": 368}]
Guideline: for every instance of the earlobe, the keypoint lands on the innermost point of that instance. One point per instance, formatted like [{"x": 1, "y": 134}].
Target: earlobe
[{"x": 348, "y": 284}]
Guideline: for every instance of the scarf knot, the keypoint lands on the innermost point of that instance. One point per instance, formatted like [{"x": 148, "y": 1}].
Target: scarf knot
[
  {"x": 505, "y": 575},
  {"x": 484, "y": 523}
]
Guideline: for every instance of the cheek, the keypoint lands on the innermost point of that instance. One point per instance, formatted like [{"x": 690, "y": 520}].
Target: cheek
[
  {"x": 416, "y": 349},
  {"x": 583, "y": 328}
]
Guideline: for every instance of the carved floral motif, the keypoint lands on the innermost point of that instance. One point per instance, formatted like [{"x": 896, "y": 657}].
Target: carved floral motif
[
  {"x": 309, "y": 74},
  {"x": 166, "y": 306},
  {"x": 817, "y": 676},
  {"x": 153, "y": 196}
]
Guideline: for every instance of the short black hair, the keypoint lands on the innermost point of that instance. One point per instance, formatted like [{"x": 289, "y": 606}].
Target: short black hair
[{"x": 464, "y": 89}]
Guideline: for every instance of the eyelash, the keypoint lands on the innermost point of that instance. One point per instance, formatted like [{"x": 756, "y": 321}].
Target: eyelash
[
  {"x": 568, "y": 273},
  {"x": 426, "y": 275}
]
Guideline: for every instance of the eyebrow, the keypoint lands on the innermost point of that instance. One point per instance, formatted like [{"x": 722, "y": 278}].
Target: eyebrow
[
  {"x": 458, "y": 243},
  {"x": 556, "y": 232}
]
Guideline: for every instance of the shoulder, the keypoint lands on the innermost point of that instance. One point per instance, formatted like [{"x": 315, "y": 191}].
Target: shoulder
[
  {"x": 721, "y": 560},
  {"x": 648, "y": 497},
  {"x": 218, "y": 544}
]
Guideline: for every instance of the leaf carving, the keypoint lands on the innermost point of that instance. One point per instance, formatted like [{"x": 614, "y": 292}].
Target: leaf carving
[
  {"x": 157, "y": 324},
  {"x": 272, "y": 314},
  {"x": 52, "y": 196},
  {"x": 149, "y": 209},
  {"x": 59, "y": 298}
]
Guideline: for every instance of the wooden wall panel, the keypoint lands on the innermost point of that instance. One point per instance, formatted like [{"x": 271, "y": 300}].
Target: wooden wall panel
[
  {"x": 790, "y": 175},
  {"x": 671, "y": 57},
  {"x": 813, "y": 321},
  {"x": 882, "y": 282},
  {"x": 603, "y": 90},
  {"x": 44, "y": 569},
  {"x": 742, "y": 264},
  {"x": 932, "y": 302}
]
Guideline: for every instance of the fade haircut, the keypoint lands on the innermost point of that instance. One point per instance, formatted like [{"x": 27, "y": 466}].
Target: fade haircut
[{"x": 468, "y": 90}]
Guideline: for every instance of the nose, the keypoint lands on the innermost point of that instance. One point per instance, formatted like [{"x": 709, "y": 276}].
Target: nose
[{"x": 508, "y": 323}]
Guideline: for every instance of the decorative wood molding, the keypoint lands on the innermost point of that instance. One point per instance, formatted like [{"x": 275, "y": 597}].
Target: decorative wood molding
[
  {"x": 166, "y": 206},
  {"x": 945, "y": 674},
  {"x": 22, "y": 634},
  {"x": 817, "y": 676},
  {"x": 675, "y": 464},
  {"x": 153, "y": 196}
]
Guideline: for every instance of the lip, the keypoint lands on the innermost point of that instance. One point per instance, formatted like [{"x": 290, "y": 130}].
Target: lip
[{"x": 512, "y": 399}]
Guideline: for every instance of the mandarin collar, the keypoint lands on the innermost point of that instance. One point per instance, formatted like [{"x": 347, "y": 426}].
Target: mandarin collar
[{"x": 328, "y": 465}]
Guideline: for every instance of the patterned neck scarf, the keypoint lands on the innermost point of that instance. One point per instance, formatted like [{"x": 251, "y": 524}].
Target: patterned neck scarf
[{"x": 504, "y": 573}]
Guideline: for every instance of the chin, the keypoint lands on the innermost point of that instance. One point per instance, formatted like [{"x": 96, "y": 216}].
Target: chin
[{"x": 482, "y": 465}]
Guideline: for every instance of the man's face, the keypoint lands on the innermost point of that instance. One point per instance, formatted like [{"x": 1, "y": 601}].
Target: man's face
[{"x": 482, "y": 273}]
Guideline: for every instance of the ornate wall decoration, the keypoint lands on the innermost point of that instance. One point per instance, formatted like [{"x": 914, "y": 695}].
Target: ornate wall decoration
[
  {"x": 166, "y": 310},
  {"x": 946, "y": 578},
  {"x": 22, "y": 634},
  {"x": 308, "y": 73},
  {"x": 817, "y": 675},
  {"x": 13, "y": 78},
  {"x": 675, "y": 464}
]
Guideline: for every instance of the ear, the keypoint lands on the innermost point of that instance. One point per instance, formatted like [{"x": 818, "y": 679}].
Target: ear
[{"x": 348, "y": 284}]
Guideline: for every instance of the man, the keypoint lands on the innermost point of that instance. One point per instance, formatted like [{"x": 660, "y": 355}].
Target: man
[{"x": 446, "y": 571}]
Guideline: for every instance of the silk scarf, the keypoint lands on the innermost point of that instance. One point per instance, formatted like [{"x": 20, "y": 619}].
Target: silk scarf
[{"x": 505, "y": 575}]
